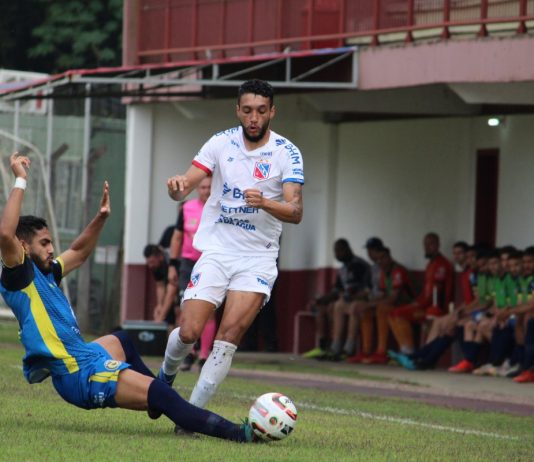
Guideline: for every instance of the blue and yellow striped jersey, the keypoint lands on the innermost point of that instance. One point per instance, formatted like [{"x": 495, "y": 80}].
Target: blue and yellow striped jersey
[{"x": 48, "y": 327}]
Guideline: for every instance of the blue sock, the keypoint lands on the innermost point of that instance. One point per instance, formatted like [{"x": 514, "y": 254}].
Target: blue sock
[
  {"x": 496, "y": 336},
  {"x": 471, "y": 351},
  {"x": 163, "y": 398},
  {"x": 459, "y": 333},
  {"x": 518, "y": 355},
  {"x": 132, "y": 357},
  {"x": 439, "y": 346}
]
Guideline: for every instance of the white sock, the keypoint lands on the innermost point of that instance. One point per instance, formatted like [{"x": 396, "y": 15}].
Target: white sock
[
  {"x": 213, "y": 372},
  {"x": 175, "y": 352},
  {"x": 406, "y": 350}
]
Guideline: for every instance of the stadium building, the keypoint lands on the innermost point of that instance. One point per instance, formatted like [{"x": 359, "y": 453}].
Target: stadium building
[{"x": 412, "y": 116}]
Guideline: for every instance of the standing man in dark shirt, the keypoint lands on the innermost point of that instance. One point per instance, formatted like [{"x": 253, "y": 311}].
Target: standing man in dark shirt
[{"x": 166, "y": 290}]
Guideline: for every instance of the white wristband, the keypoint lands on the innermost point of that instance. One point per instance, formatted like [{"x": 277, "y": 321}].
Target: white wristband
[{"x": 20, "y": 183}]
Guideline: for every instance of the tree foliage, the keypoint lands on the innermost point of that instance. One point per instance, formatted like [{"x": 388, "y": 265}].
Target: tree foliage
[{"x": 78, "y": 34}]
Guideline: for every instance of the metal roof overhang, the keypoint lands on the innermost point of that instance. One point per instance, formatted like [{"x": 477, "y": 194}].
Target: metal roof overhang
[{"x": 330, "y": 68}]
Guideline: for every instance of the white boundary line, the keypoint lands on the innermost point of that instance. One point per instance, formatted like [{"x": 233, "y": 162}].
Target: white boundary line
[{"x": 383, "y": 418}]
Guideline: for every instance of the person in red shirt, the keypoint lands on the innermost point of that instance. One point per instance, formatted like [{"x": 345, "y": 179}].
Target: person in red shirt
[
  {"x": 396, "y": 287},
  {"x": 432, "y": 301}
]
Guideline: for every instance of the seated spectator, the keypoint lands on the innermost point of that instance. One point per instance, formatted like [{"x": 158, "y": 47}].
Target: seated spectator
[
  {"x": 353, "y": 282},
  {"x": 523, "y": 286},
  {"x": 525, "y": 311},
  {"x": 433, "y": 299},
  {"x": 501, "y": 335},
  {"x": 480, "y": 328},
  {"x": 166, "y": 290},
  {"x": 396, "y": 289},
  {"x": 442, "y": 329},
  {"x": 504, "y": 254}
]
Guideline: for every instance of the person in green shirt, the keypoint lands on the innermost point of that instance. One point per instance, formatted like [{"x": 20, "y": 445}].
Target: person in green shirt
[
  {"x": 505, "y": 287},
  {"x": 521, "y": 312}
]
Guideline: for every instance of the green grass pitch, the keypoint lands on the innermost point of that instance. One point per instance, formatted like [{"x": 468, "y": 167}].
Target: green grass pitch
[{"x": 36, "y": 425}]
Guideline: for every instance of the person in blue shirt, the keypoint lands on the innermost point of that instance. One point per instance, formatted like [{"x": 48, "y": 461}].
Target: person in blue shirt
[{"x": 105, "y": 373}]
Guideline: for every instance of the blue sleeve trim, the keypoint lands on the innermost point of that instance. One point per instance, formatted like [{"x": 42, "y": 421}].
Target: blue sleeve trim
[{"x": 293, "y": 180}]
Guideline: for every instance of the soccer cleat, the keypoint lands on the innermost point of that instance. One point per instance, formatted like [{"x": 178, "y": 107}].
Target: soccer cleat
[
  {"x": 508, "y": 370},
  {"x": 464, "y": 366},
  {"x": 315, "y": 353},
  {"x": 513, "y": 371},
  {"x": 376, "y": 358},
  {"x": 525, "y": 377},
  {"x": 394, "y": 356},
  {"x": 406, "y": 362},
  {"x": 357, "y": 359},
  {"x": 250, "y": 436},
  {"x": 486, "y": 369},
  {"x": 168, "y": 379}
]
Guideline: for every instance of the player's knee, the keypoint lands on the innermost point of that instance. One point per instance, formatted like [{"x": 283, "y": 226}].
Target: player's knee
[{"x": 190, "y": 334}]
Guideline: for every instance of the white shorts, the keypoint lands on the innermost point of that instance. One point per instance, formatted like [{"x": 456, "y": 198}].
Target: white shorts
[{"x": 214, "y": 274}]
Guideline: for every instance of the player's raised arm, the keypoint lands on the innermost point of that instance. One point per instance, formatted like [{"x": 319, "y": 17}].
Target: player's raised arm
[
  {"x": 10, "y": 247},
  {"x": 179, "y": 186},
  {"x": 85, "y": 243},
  {"x": 289, "y": 211}
]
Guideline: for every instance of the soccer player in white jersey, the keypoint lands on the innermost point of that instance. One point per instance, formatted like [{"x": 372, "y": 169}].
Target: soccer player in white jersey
[{"x": 257, "y": 185}]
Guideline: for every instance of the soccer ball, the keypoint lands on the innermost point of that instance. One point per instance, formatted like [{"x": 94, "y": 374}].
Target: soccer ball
[{"x": 273, "y": 416}]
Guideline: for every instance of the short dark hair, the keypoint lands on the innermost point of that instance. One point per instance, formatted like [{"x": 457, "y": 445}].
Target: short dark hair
[
  {"x": 28, "y": 226},
  {"x": 342, "y": 243},
  {"x": 152, "y": 250},
  {"x": 517, "y": 255},
  {"x": 462, "y": 244},
  {"x": 493, "y": 254},
  {"x": 509, "y": 249},
  {"x": 385, "y": 250},
  {"x": 530, "y": 251},
  {"x": 256, "y": 87}
]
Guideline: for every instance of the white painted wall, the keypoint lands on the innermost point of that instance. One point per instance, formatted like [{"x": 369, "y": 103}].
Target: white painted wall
[
  {"x": 515, "y": 223},
  {"x": 397, "y": 180}
]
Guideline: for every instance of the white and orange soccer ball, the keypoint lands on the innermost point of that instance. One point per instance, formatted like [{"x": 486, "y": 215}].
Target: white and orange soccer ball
[{"x": 273, "y": 416}]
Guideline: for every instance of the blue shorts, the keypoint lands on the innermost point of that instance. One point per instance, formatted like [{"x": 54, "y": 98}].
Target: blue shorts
[{"x": 94, "y": 385}]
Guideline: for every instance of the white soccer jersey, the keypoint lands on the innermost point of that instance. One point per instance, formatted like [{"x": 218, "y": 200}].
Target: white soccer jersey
[{"x": 228, "y": 225}]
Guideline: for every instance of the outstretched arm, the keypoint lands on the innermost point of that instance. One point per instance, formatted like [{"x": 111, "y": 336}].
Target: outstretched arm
[
  {"x": 289, "y": 211},
  {"x": 179, "y": 186},
  {"x": 10, "y": 247},
  {"x": 85, "y": 243}
]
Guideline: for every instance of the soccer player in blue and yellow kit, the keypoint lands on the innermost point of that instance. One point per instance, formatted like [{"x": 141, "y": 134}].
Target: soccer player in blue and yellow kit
[{"x": 105, "y": 373}]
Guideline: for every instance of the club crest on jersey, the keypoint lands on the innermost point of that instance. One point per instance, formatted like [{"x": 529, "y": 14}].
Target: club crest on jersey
[
  {"x": 262, "y": 170},
  {"x": 194, "y": 280},
  {"x": 112, "y": 364}
]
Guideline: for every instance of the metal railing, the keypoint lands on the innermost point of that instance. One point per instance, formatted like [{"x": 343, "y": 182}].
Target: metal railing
[{"x": 173, "y": 30}]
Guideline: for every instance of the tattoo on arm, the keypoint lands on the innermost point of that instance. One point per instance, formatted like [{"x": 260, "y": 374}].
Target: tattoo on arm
[{"x": 296, "y": 202}]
